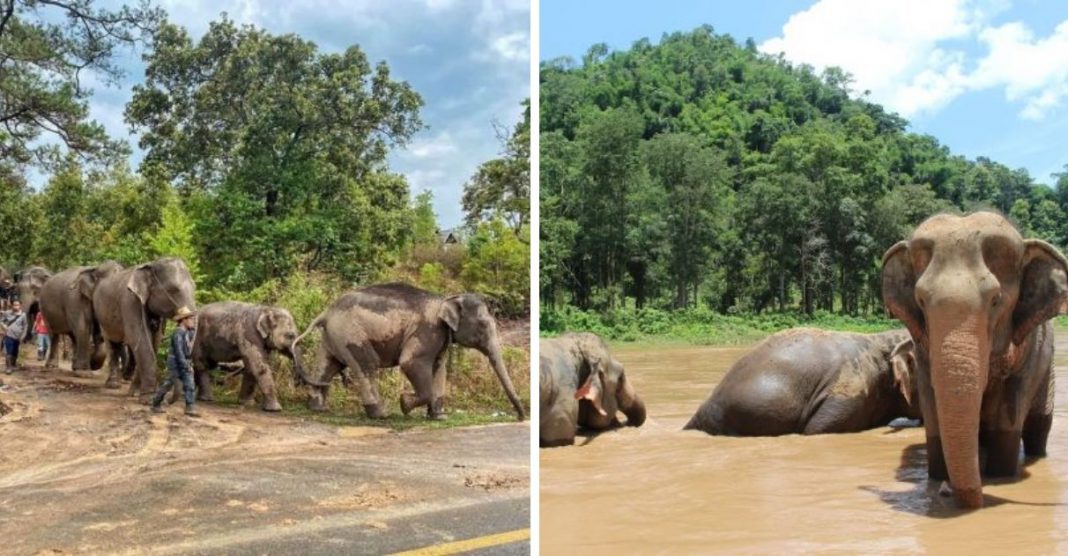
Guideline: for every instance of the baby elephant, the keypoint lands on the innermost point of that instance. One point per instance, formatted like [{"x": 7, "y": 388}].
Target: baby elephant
[
  {"x": 582, "y": 385},
  {"x": 232, "y": 331},
  {"x": 807, "y": 381}
]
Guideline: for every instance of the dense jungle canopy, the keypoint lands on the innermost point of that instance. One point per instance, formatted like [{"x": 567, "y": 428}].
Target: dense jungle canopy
[{"x": 701, "y": 173}]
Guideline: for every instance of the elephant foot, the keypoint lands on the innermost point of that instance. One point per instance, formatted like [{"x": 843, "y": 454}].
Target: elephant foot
[
  {"x": 112, "y": 383},
  {"x": 1035, "y": 434},
  {"x": 145, "y": 398},
  {"x": 436, "y": 411},
  {"x": 249, "y": 402},
  {"x": 205, "y": 398},
  {"x": 439, "y": 416},
  {"x": 375, "y": 411},
  {"x": 272, "y": 405}
]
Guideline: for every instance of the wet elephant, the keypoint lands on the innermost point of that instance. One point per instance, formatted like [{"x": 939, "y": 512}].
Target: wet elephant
[
  {"x": 231, "y": 332},
  {"x": 66, "y": 301},
  {"x": 397, "y": 324},
  {"x": 28, "y": 285},
  {"x": 581, "y": 384},
  {"x": 976, "y": 298},
  {"x": 808, "y": 381},
  {"x": 132, "y": 305}
]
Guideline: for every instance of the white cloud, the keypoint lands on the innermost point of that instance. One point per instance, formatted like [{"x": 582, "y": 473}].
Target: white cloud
[
  {"x": 432, "y": 147},
  {"x": 888, "y": 46},
  {"x": 912, "y": 54},
  {"x": 513, "y": 47}
]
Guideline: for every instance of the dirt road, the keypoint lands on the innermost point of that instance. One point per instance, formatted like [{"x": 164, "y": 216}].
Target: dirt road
[{"x": 87, "y": 470}]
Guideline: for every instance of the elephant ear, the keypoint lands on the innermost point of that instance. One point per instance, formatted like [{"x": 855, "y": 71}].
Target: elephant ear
[
  {"x": 450, "y": 312},
  {"x": 903, "y": 362},
  {"x": 264, "y": 323},
  {"x": 899, "y": 289},
  {"x": 1043, "y": 288},
  {"x": 138, "y": 282},
  {"x": 592, "y": 389},
  {"x": 85, "y": 283}
]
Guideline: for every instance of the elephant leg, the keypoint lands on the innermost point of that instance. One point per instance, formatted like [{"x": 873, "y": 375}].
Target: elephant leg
[
  {"x": 558, "y": 427},
  {"x": 52, "y": 360},
  {"x": 1035, "y": 432},
  {"x": 936, "y": 459},
  {"x": 437, "y": 407},
  {"x": 363, "y": 362},
  {"x": 83, "y": 346},
  {"x": 421, "y": 374},
  {"x": 143, "y": 341},
  {"x": 248, "y": 388},
  {"x": 256, "y": 367},
  {"x": 1002, "y": 452},
  {"x": 115, "y": 365},
  {"x": 204, "y": 386}
]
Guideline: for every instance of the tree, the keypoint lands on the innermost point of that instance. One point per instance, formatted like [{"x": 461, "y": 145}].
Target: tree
[
  {"x": 424, "y": 221},
  {"x": 46, "y": 49},
  {"x": 281, "y": 150},
  {"x": 174, "y": 238},
  {"x": 500, "y": 187}
]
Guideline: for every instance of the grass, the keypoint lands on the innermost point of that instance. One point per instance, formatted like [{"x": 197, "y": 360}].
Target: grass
[
  {"x": 699, "y": 326},
  {"x": 474, "y": 395}
]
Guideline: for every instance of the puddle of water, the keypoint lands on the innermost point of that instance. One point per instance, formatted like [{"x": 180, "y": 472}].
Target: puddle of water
[{"x": 657, "y": 489}]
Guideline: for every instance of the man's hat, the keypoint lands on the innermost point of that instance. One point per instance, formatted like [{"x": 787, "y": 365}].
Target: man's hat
[{"x": 184, "y": 313}]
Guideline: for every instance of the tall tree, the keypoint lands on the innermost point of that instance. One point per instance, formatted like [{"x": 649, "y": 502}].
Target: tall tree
[{"x": 500, "y": 187}]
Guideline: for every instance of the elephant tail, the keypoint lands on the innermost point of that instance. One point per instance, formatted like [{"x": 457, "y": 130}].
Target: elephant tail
[
  {"x": 318, "y": 322},
  {"x": 708, "y": 420}
]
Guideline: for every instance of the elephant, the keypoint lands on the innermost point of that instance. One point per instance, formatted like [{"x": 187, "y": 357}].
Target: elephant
[
  {"x": 809, "y": 381},
  {"x": 582, "y": 385},
  {"x": 7, "y": 289},
  {"x": 28, "y": 284},
  {"x": 976, "y": 297},
  {"x": 67, "y": 305},
  {"x": 232, "y": 331},
  {"x": 131, "y": 306},
  {"x": 394, "y": 324}
]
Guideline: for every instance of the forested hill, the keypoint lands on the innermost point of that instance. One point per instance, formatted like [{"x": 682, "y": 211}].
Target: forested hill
[{"x": 701, "y": 172}]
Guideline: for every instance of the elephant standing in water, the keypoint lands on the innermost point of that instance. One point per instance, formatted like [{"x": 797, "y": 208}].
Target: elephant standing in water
[
  {"x": 582, "y": 385},
  {"x": 28, "y": 284},
  {"x": 976, "y": 298},
  {"x": 67, "y": 304},
  {"x": 131, "y": 306},
  {"x": 808, "y": 381},
  {"x": 397, "y": 324},
  {"x": 232, "y": 331}
]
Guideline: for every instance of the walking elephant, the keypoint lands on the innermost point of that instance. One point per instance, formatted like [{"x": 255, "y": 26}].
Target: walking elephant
[
  {"x": 976, "y": 298},
  {"x": 397, "y": 324},
  {"x": 808, "y": 381},
  {"x": 66, "y": 301},
  {"x": 582, "y": 385},
  {"x": 28, "y": 284},
  {"x": 231, "y": 332},
  {"x": 131, "y": 306}
]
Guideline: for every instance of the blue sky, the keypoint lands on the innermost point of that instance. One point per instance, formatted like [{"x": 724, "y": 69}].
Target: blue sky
[
  {"x": 987, "y": 78},
  {"x": 469, "y": 60}
]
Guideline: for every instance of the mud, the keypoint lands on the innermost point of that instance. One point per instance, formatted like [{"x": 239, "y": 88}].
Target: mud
[
  {"x": 658, "y": 489},
  {"x": 88, "y": 470}
]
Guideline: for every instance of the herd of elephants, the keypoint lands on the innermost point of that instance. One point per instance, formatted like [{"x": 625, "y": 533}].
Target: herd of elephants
[
  {"x": 974, "y": 361},
  {"x": 117, "y": 315}
]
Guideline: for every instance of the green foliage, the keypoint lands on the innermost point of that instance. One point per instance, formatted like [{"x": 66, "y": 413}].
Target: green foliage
[
  {"x": 501, "y": 187},
  {"x": 280, "y": 148},
  {"x": 174, "y": 237},
  {"x": 424, "y": 221},
  {"x": 498, "y": 266},
  {"x": 46, "y": 50},
  {"x": 699, "y": 174}
]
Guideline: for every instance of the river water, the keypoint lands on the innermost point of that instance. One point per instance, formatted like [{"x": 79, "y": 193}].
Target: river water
[{"x": 658, "y": 489}]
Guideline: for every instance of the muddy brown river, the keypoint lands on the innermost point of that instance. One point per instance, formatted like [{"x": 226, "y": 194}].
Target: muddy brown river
[{"x": 657, "y": 489}]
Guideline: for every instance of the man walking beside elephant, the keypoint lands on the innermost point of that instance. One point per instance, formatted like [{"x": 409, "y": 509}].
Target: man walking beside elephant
[
  {"x": 179, "y": 363},
  {"x": 14, "y": 326}
]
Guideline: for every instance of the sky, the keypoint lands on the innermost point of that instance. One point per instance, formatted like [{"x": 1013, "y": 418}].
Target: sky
[
  {"x": 469, "y": 59},
  {"x": 985, "y": 77}
]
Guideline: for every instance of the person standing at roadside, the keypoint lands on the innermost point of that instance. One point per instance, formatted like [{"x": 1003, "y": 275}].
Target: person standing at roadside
[
  {"x": 14, "y": 328},
  {"x": 179, "y": 363},
  {"x": 44, "y": 340}
]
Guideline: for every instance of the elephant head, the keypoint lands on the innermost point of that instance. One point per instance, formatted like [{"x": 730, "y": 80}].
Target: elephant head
[
  {"x": 29, "y": 283},
  {"x": 472, "y": 325},
  {"x": 163, "y": 286},
  {"x": 970, "y": 290},
  {"x": 91, "y": 276},
  {"x": 605, "y": 387},
  {"x": 279, "y": 332}
]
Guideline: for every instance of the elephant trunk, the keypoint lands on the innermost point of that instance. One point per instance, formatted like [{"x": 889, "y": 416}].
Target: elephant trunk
[
  {"x": 631, "y": 406},
  {"x": 298, "y": 368},
  {"x": 959, "y": 365},
  {"x": 493, "y": 352}
]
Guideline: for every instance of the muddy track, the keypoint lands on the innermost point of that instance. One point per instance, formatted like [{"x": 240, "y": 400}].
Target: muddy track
[{"x": 88, "y": 470}]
